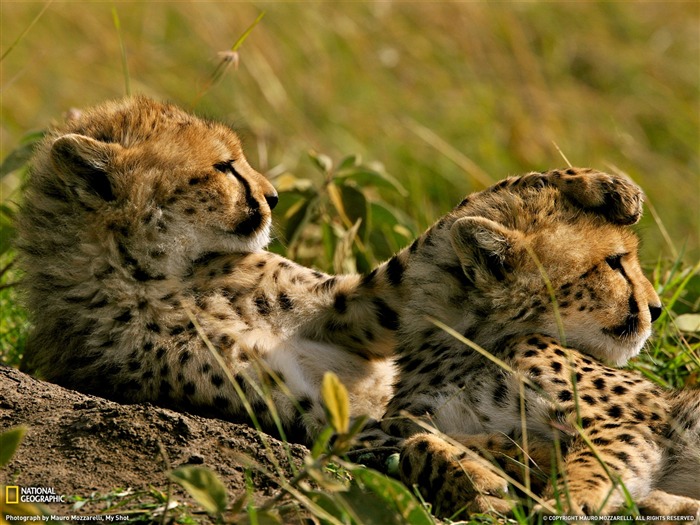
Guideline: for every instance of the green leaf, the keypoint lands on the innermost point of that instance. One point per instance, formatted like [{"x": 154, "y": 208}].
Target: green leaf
[
  {"x": 335, "y": 399},
  {"x": 8, "y": 212},
  {"x": 331, "y": 505},
  {"x": 368, "y": 177},
  {"x": 323, "y": 162},
  {"x": 288, "y": 182},
  {"x": 394, "y": 495},
  {"x": 299, "y": 216},
  {"x": 389, "y": 230},
  {"x": 321, "y": 442},
  {"x": 688, "y": 322},
  {"x": 204, "y": 486},
  {"x": 9, "y": 441},
  {"x": 18, "y": 158},
  {"x": 329, "y": 240},
  {"x": 355, "y": 204},
  {"x": 349, "y": 162}
]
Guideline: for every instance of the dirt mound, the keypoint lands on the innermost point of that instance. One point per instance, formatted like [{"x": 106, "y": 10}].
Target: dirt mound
[{"x": 78, "y": 444}]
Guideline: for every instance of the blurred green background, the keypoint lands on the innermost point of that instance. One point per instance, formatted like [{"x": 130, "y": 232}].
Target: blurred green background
[{"x": 448, "y": 96}]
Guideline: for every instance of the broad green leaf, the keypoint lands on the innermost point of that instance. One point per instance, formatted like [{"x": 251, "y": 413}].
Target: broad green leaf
[
  {"x": 204, "y": 486},
  {"x": 368, "y": 508},
  {"x": 329, "y": 239},
  {"x": 335, "y": 399},
  {"x": 389, "y": 232},
  {"x": 9, "y": 441},
  {"x": 367, "y": 177},
  {"x": 7, "y": 211},
  {"x": 688, "y": 322},
  {"x": 331, "y": 504},
  {"x": 321, "y": 442},
  {"x": 299, "y": 216},
  {"x": 288, "y": 182},
  {"x": 323, "y": 162},
  {"x": 355, "y": 206},
  {"x": 349, "y": 162},
  {"x": 394, "y": 495},
  {"x": 19, "y": 157}
]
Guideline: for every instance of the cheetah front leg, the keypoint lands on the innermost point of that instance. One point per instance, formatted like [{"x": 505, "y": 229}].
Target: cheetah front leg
[
  {"x": 660, "y": 503},
  {"x": 452, "y": 479},
  {"x": 472, "y": 474}
]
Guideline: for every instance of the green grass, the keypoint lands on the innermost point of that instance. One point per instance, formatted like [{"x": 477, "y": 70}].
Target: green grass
[{"x": 447, "y": 96}]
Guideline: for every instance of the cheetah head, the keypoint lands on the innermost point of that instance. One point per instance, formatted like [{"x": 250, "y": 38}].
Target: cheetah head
[
  {"x": 158, "y": 184},
  {"x": 546, "y": 262}
]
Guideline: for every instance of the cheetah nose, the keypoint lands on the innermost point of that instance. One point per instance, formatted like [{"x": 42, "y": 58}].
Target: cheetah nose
[
  {"x": 655, "y": 312},
  {"x": 272, "y": 200}
]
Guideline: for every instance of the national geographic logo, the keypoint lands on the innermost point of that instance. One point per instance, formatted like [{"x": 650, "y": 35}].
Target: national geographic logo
[{"x": 15, "y": 494}]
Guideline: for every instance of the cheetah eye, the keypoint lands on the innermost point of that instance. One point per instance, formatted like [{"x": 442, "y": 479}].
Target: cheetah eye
[
  {"x": 615, "y": 262},
  {"x": 223, "y": 167}
]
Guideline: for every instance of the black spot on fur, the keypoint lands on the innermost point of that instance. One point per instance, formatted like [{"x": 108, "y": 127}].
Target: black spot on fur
[
  {"x": 386, "y": 316},
  {"x": 429, "y": 367},
  {"x": 262, "y": 305},
  {"x": 500, "y": 395},
  {"x": 614, "y": 411},
  {"x": 394, "y": 271},
  {"x": 340, "y": 304},
  {"x": 124, "y": 317},
  {"x": 619, "y": 389},
  {"x": 306, "y": 404},
  {"x": 221, "y": 403},
  {"x": 588, "y": 399},
  {"x": 285, "y": 301},
  {"x": 177, "y": 330},
  {"x": 189, "y": 388}
]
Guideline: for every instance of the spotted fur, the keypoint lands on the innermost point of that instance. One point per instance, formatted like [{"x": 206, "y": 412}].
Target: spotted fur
[
  {"x": 550, "y": 254},
  {"x": 142, "y": 236},
  {"x": 612, "y": 427}
]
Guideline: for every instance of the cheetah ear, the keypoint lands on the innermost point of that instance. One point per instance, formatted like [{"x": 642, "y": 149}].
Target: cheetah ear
[
  {"x": 484, "y": 245},
  {"x": 88, "y": 160}
]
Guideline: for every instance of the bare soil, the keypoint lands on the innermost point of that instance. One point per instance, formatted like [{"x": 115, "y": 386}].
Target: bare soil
[{"x": 80, "y": 445}]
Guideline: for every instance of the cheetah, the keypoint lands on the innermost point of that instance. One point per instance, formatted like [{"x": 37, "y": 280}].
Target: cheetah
[
  {"x": 613, "y": 428},
  {"x": 515, "y": 269},
  {"x": 142, "y": 237}
]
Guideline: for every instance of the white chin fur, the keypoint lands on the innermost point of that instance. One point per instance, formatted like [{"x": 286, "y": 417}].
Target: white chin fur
[
  {"x": 615, "y": 351},
  {"x": 610, "y": 350},
  {"x": 211, "y": 241},
  {"x": 254, "y": 243}
]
